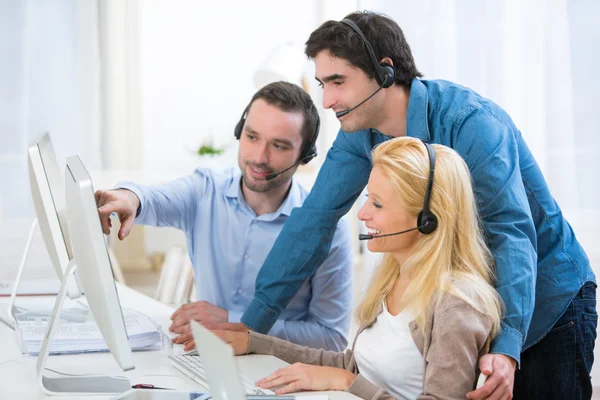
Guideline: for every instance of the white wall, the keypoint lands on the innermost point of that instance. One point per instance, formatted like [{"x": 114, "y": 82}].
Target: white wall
[{"x": 197, "y": 61}]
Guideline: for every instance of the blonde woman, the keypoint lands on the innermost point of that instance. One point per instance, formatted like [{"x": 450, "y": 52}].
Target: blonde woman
[{"x": 430, "y": 311}]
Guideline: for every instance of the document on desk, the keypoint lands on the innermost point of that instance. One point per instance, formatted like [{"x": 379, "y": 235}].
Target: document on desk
[{"x": 75, "y": 334}]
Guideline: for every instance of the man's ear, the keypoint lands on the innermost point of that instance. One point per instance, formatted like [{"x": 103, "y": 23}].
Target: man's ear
[{"x": 387, "y": 60}]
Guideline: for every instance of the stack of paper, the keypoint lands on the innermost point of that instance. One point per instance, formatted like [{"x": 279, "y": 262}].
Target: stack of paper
[{"x": 76, "y": 334}]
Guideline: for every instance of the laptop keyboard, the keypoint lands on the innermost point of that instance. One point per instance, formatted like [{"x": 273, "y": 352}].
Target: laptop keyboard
[{"x": 192, "y": 367}]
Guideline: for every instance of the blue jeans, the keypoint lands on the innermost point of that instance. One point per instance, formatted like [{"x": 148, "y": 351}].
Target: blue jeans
[{"x": 558, "y": 367}]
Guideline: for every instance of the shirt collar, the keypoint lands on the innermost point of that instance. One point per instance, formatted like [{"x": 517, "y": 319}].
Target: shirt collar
[
  {"x": 418, "y": 108},
  {"x": 234, "y": 191},
  {"x": 293, "y": 199}
]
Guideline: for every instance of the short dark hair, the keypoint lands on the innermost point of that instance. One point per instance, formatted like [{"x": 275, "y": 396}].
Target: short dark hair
[
  {"x": 289, "y": 97},
  {"x": 384, "y": 34}
]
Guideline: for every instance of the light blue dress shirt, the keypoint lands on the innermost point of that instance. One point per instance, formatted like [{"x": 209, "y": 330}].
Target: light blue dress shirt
[{"x": 228, "y": 243}]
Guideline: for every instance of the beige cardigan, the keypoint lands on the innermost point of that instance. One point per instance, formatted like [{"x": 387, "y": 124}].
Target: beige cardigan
[{"x": 456, "y": 336}]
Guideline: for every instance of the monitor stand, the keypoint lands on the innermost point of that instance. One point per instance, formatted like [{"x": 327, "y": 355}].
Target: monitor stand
[
  {"x": 72, "y": 385},
  {"x": 13, "y": 295},
  {"x": 73, "y": 291}
]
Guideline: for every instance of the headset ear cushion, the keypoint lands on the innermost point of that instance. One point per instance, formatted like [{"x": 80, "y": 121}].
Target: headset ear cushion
[
  {"x": 239, "y": 127},
  {"x": 310, "y": 151},
  {"x": 306, "y": 159},
  {"x": 387, "y": 75},
  {"x": 237, "y": 132},
  {"x": 427, "y": 222}
]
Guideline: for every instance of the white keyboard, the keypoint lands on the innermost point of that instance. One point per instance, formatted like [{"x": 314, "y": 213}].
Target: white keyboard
[{"x": 192, "y": 366}]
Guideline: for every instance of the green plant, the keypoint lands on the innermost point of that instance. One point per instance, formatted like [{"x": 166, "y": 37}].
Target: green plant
[{"x": 209, "y": 149}]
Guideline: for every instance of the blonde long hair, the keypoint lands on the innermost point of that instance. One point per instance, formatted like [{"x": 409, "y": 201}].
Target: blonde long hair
[{"x": 455, "y": 250}]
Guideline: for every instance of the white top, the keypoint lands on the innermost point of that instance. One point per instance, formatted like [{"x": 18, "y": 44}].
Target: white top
[{"x": 387, "y": 355}]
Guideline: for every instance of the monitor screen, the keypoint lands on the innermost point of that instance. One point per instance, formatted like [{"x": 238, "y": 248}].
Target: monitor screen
[
  {"x": 48, "y": 194},
  {"x": 90, "y": 254}
]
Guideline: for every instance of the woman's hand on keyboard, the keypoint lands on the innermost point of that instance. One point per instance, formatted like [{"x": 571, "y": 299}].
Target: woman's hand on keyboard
[{"x": 298, "y": 377}]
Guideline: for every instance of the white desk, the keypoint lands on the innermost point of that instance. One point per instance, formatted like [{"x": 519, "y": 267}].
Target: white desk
[{"x": 18, "y": 376}]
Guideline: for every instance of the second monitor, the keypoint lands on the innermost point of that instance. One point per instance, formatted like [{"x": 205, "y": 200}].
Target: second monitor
[{"x": 92, "y": 262}]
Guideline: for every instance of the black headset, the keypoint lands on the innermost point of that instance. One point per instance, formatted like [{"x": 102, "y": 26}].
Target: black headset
[
  {"x": 308, "y": 152},
  {"x": 427, "y": 222},
  {"x": 384, "y": 72}
]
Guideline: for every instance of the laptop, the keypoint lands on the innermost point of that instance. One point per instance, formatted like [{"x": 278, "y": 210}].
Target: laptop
[
  {"x": 222, "y": 374},
  {"x": 191, "y": 365}
]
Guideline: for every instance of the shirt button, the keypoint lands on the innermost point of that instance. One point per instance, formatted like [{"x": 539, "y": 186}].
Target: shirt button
[
  {"x": 246, "y": 257},
  {"x": 239, "y": 291}
]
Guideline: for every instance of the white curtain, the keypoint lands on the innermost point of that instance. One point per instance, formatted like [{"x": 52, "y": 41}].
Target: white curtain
[{"x": 49, "y": 80}]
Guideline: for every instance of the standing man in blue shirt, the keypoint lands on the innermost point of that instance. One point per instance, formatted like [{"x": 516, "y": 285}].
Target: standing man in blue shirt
[
  {"x": 370, "y": 81},
  {"x": 232, "y": 218}
]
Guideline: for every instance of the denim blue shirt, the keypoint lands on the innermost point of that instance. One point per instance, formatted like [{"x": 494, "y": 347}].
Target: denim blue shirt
[
  {"x": 540, "y": 265},
  {"x": 228, "y": 244}
]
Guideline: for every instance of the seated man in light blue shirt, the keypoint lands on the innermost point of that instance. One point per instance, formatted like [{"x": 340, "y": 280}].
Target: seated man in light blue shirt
[{"x": 232, "y": 218}]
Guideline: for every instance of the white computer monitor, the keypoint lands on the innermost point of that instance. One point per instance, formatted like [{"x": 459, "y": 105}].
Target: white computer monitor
[
  {"x": 48, "y": 193},
  {"x": 91, "y": 261},
  {"x": 90, "y": 254}
]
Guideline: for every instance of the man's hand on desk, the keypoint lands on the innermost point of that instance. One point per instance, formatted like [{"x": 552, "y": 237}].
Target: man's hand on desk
[
  {"x": 236, "y": 334},
  {"x": 200, "y": 311}
]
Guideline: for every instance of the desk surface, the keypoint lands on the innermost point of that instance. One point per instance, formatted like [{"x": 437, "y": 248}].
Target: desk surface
[{"x": 18, "y": 377}]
